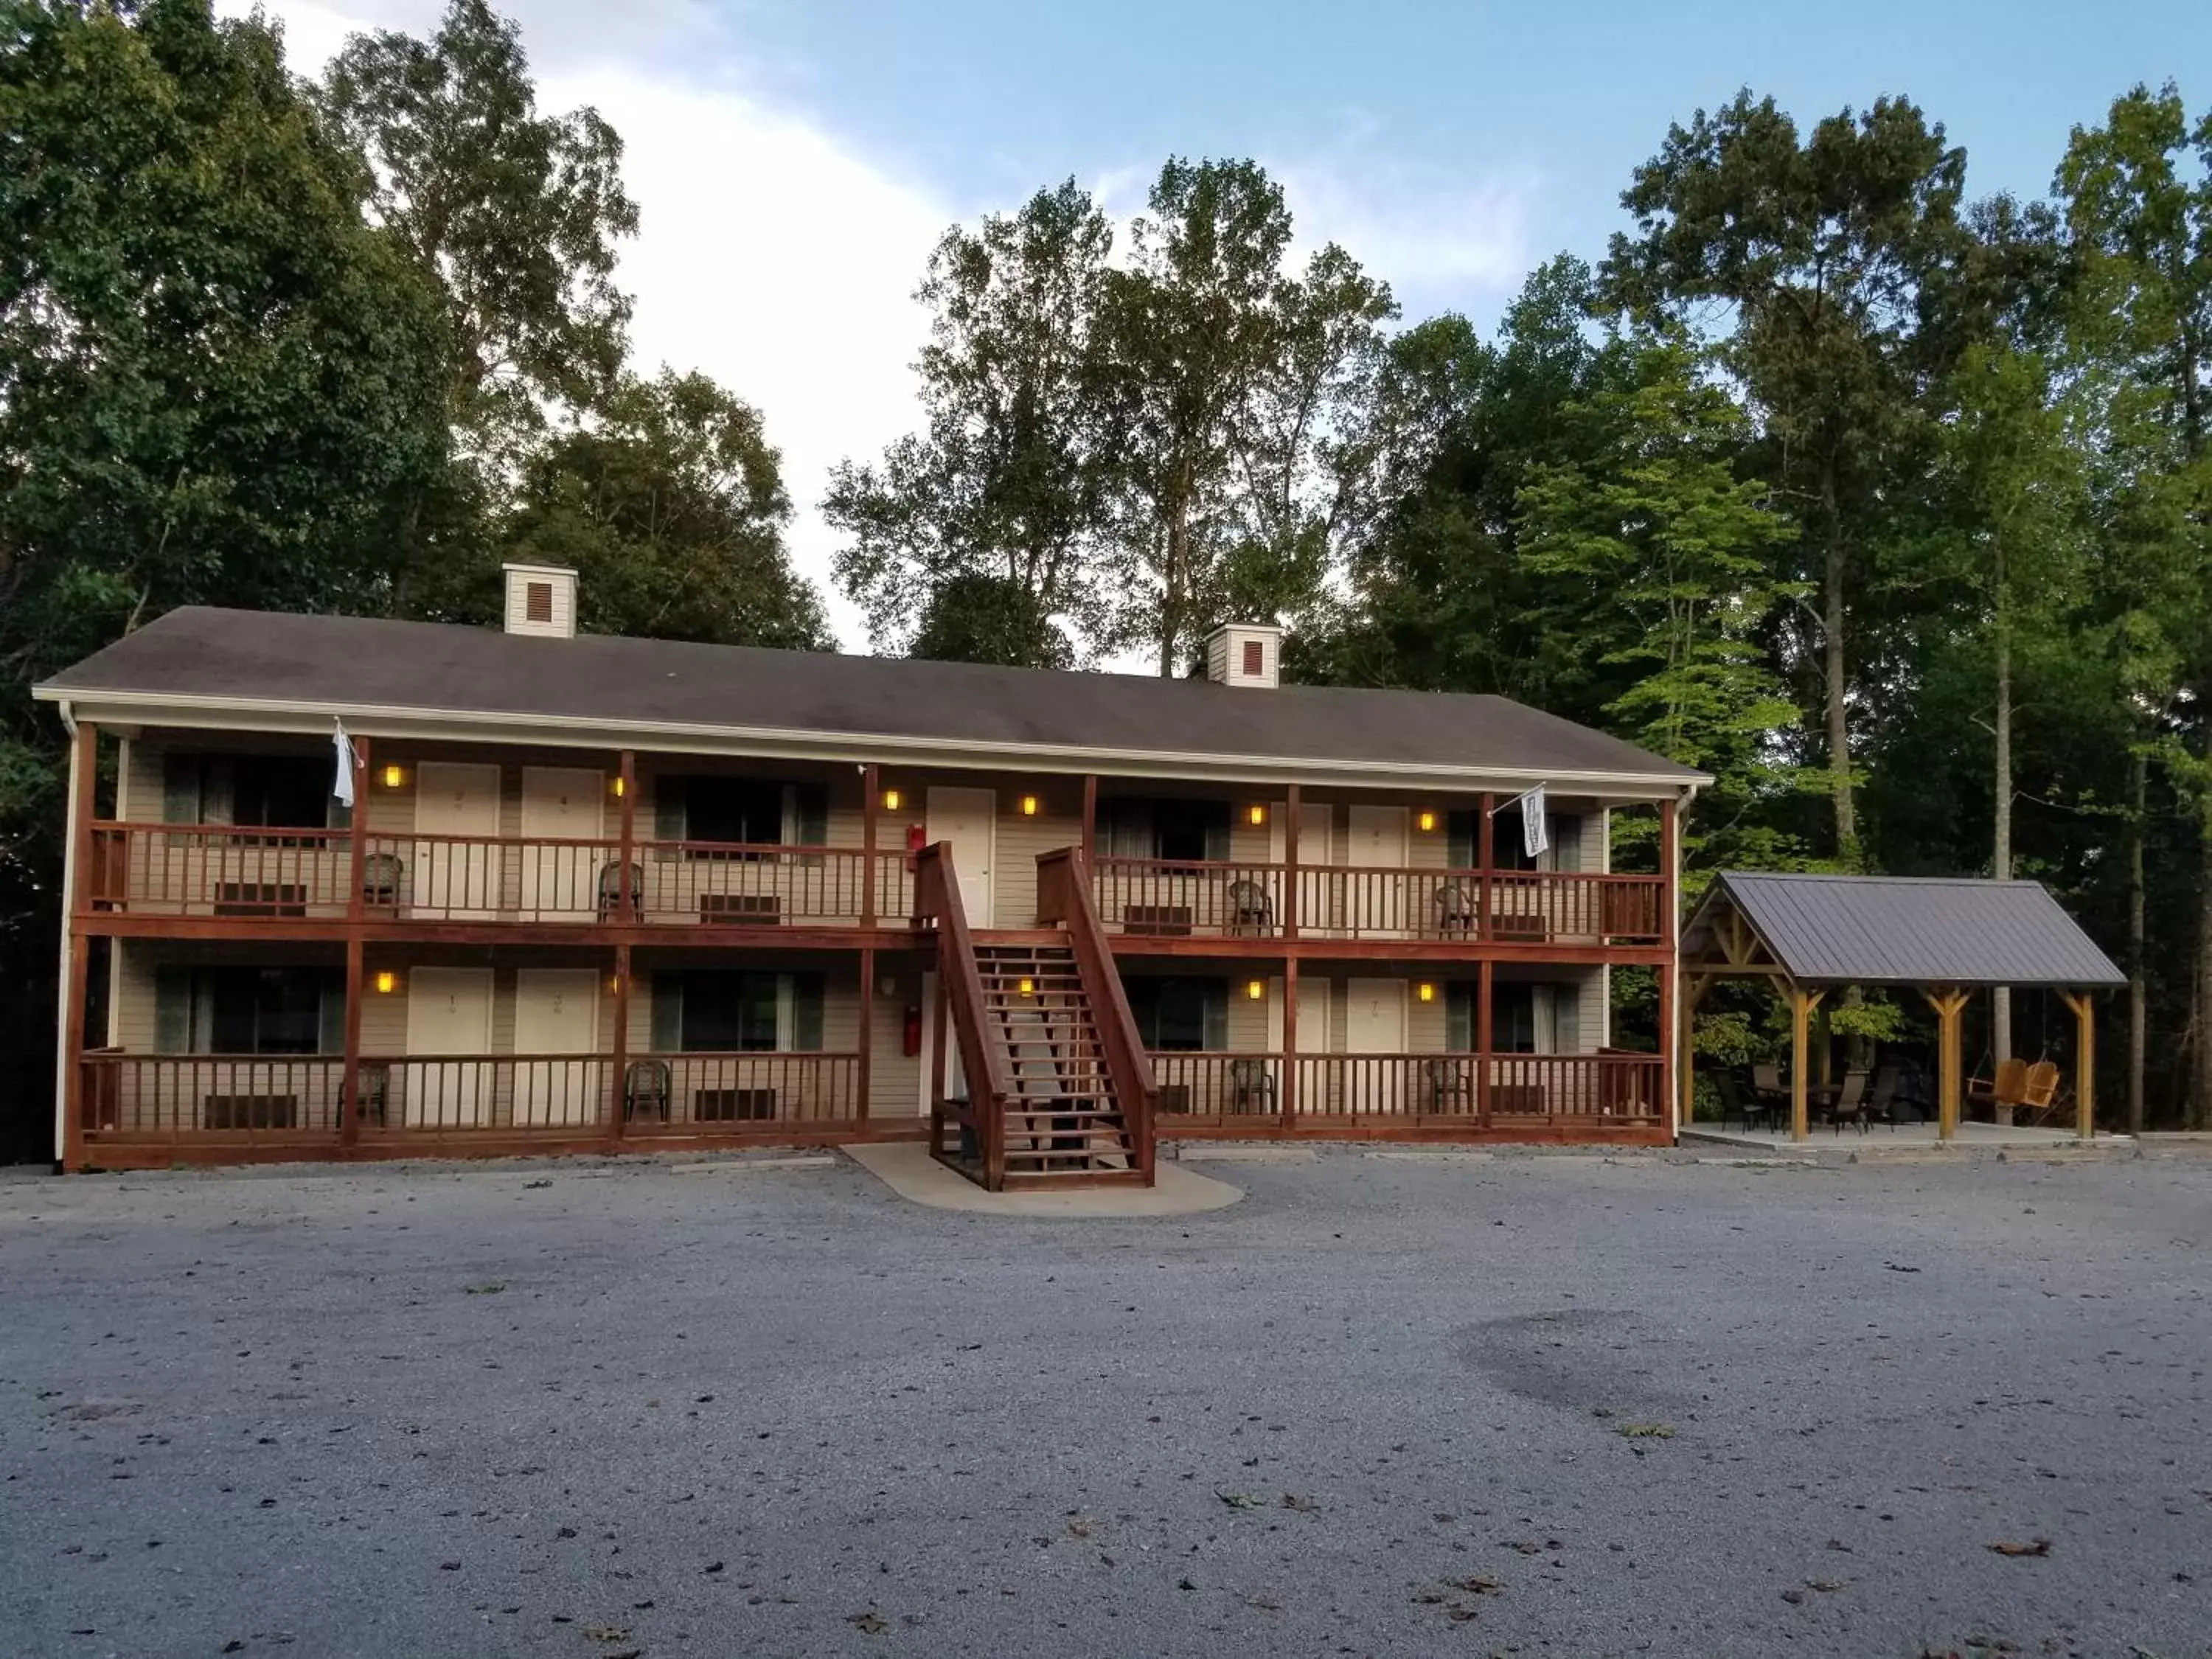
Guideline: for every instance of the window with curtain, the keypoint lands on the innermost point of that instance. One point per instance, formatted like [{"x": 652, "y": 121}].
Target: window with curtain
[
  {"x": 735, "y": 1010},
  {"x": 248, "y": 1011},
  {"x": 1508, "y": 851},
  {"x": 742, "y": 811},
  {"x": 287, "y": 792},
  {"x": 1175, "y": 830},
  {"x": 1180, "y": 1015},
  {"x": 1512, "y": 1017}
]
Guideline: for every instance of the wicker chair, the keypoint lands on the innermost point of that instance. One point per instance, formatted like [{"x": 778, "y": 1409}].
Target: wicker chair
[
  {"x": 381, "y": 875},
  {"x": 1251, "y": 909},
  {"x": 645, "y": 1090},
  {"x": 1251, "y": 1082},
  {"x": 1455, "y": 906},
  {"x": 610, "y": 901},
  {"x": 1450, "y": 1079}
]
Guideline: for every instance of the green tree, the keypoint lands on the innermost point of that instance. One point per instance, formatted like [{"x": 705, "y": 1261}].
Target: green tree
[
  {"x": 513, "y": 214},
  {"x": 1666, "y": 562},
  {"x": 1235, "y": 391},
  {"x": 217, "y": 384},
  {"x": 2136, "y": 198},
  {"x": 1815, "y": 251},
  {"x": 670, "y": 506},
  {"x": 1001, "y": 501}
]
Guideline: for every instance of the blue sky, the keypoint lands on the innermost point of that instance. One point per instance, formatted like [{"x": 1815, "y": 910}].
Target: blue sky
[{"x": 795, "y": 160}]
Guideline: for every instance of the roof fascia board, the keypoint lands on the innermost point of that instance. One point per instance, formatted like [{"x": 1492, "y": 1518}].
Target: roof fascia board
[{"x": 256, "y": 715}]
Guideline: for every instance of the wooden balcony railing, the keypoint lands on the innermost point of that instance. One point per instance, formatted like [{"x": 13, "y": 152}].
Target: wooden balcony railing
[
  {"x": 1233, "y": 1088},
  {"x": 1151, "y": 896},
  {"x": 245, "y": 1099},
  {"x": 209, "y": 870}
]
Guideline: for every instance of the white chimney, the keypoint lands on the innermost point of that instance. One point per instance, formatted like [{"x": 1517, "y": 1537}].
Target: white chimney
[
  {"x": 1245, "y": 653},
  {"x": 541, "y": 599}
]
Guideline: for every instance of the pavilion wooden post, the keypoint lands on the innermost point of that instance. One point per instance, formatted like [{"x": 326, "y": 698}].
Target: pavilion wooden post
[
  {"x": 1802, "y": 1004},
  {"x": 1694, "y": 986},
  {"x": 2085, "y": 1063},
  {"x": 1950, "y": 1006}
]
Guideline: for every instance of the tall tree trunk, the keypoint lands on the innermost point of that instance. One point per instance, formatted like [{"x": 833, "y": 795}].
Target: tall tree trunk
[
  {"x": 2001, "y": 854},
  {"x": 2138, "y": 929},
  {"x": 1171, "y": 586},
  {"x": 2201, "y": 1106},
  {"x": 1832, "y": 624}
]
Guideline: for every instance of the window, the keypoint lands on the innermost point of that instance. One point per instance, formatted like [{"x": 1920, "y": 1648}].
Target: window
[
  {"x": 1509, "y": 845},
  {"x": 288, "y": 792},
  {"x": 1178, "y": 831},
  {"x": 248, "y": 1011},
  {"x": 740, "y": 812},
  {"x": 537, "y": 602},
  {"x": 732, "y": 1011},
  {"x": 1512, "y": 1017},
  {"x": 1179, "y": 1015}
]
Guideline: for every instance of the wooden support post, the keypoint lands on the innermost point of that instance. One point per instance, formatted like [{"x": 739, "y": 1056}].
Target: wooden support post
[
  {"x": 1485, "y": 987},
  {"x": 1950, "y": 1006},
  {"x": 937, "y": 1070},
  {"x": 1090, "y": 820},
  {"x": 1484, "y": 853},
  {"x": 1802, "y": 1004},
  {"x": 618, "y": 1121},
  {"x": 1694, "y": 986},
  {"x": 1290, "y": 1091},
  {"x": 349, "y": 1078},
  {"x": 1292, "y": 810},
  {"x": 76, "y": 982},
  {"x": 630, "y": 903},
  {"x": 867, "y": 1029},
  {"x": 871, "y": 778},
  {"x": 2085, "y": 1063},
  {"x": 1674, "y": 1007}
]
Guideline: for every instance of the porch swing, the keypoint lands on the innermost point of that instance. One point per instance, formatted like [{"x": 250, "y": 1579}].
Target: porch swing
[{"x": 2030, "y": 1092}]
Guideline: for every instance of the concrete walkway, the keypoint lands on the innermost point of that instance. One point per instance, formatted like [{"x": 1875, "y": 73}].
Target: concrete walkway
[
  {"x": 908, "y": 1170},
  {"x": 1971, "y": 1138}
]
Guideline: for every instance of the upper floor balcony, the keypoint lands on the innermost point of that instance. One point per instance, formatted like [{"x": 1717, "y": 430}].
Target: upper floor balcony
[{"x": 448, "y": 840}]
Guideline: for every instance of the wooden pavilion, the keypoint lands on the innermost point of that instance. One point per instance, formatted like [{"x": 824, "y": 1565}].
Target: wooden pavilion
[{"x": 1812, "y": 935}]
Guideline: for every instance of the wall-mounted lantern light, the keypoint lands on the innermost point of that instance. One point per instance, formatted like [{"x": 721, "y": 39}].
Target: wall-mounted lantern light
[
  {"x": 387, "y": 980},
  {"x": 622, "y": 787},
  {"x": 393, "y": 777},
  {"x": 1427, "y": 821},
  {"x": 1027, "y": 987},
  {"x": 891, "y": 799},
  {"x": 1028, "y": 807},
  {"x": 1426, "y": 991},
  {"x": 1256, "y": 989},
  {"x": 1256, "y": 813}
]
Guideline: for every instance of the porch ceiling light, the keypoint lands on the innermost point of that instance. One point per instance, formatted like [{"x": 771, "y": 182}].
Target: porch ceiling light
[
  {"x": 385, "y": 980},
  {"x": 393, "y": 777}
]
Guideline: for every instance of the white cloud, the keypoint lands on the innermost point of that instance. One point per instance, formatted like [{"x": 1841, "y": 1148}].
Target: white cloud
[{"x": 770, "y": 256}]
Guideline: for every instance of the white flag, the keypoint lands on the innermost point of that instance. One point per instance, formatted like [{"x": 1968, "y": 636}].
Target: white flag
[
  {"x": 341, "y": 784},
  {"x": 1534, "y": 837}
]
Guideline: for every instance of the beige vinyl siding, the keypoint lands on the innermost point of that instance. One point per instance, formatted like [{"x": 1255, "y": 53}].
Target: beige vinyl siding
[{"x": 1059, "y": 823}]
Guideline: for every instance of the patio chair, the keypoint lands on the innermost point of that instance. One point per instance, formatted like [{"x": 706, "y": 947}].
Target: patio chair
[
  {"x": 1251, "y": 1086},
  {"x": 1251, "y": 909},
  {"x": 1766, "y": 1088},
  {"x": 1882, "y": 1100},
  {"x": 611, "y": 899},
  {"x": 380, "y": 873},
  {"x": 1735, "y": 1103},
  {"x": 1450, "y": 1079},
  {"x": 1455, "y": 907},
  {"x": 1851, "y": 1102},
  {"x": 645, "y": 1090}
]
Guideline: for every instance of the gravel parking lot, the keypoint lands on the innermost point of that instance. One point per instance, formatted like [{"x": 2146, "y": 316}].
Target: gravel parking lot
[{"x": 1535, "y": 1405}]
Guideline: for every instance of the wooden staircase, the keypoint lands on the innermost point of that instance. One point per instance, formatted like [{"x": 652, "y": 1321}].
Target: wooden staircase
[
  {"x": 1061, "y": 1117},
  {"x": 1054, "y": 1088}
]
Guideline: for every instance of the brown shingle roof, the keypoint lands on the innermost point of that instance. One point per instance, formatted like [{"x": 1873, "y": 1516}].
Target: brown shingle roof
[{"x": 347, "y": 663}]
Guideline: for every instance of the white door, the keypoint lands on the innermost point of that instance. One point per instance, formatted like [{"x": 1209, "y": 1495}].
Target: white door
[
  {"x": 556, "y": 1011},
  {"x": 1379, "y": 899},
  {"x": 458, "y": 879},
  {"x": 563, "y": 804},
  {"x": 1317, "y": 846},
  {"x": 449, "y": 1017},
  {"x": 1375, "y": 1024},
  {"x": 969, "y": 818}
]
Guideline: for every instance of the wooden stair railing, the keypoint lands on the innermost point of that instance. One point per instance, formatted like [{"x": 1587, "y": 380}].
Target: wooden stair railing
[
  {"x": 937, "y": 901},
  {"x": 1064, "y": 900}
]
